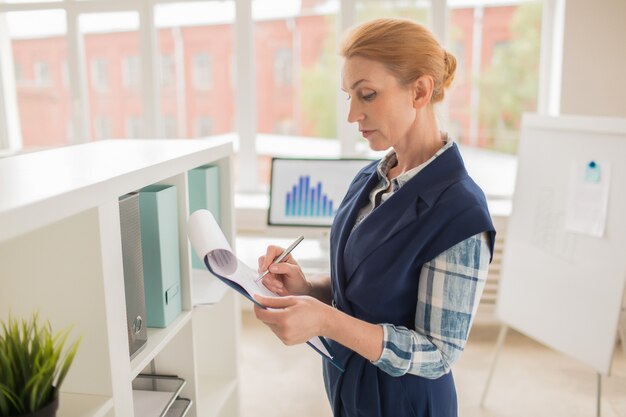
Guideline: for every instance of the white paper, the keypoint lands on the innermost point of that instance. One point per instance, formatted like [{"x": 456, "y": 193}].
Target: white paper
[
  {"x": 207, "y": 239},
  {"x": 588, "y": 198}
]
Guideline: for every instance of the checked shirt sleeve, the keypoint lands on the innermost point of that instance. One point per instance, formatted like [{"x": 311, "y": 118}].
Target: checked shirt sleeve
[{"x": 449, "y": 291}]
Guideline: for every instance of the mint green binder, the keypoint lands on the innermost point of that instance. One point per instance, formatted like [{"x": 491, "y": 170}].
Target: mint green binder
[
  {"x": 204, "y": 193},
  {"x": 158, "y": 206}
]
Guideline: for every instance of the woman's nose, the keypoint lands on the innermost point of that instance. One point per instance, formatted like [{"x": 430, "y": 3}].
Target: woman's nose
[{"x": 354, "y": 114}]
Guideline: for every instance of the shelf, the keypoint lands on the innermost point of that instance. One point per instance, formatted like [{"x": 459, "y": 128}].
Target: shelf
[
  {"x": 153, "y": 395},
  {"x": 63, "y": 204},
  {"x": 157, "y": 339},
  {"x": 214, "y": 393},
  {"x": 40, "y": 188},
  {"x": 83, "y": 405}
]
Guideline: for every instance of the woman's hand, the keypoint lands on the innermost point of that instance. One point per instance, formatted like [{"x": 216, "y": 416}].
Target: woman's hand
[
  {"x": 294, "y": 319},
  {"x": 284, "y": 278}
]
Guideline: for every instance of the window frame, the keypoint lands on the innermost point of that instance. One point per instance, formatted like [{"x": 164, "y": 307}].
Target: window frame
[{"x": 244, "y": 74}]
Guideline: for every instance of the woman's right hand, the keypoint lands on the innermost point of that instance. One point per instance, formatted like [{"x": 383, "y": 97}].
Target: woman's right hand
[{"x": 284, "y": 278}]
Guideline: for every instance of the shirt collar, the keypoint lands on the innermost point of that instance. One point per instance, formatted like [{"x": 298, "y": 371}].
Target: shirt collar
[{"x": 391, "y": 160}]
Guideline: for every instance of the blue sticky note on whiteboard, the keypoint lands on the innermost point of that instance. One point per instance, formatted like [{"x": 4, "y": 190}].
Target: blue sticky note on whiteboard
[{"x": 592, "y": 172}]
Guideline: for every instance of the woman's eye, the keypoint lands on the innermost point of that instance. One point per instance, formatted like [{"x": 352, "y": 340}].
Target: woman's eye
[{"x": 369, "y": 97}]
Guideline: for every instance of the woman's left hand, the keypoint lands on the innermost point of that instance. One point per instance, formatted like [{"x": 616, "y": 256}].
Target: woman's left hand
[{"x": 294, "y": 319}]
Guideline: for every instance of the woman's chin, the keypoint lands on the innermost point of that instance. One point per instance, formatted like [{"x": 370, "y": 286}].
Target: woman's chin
[{"x": 377, "y": 146}]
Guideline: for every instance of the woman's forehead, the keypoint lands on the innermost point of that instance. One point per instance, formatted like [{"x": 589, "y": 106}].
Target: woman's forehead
[{"x": 357, "y": 68}]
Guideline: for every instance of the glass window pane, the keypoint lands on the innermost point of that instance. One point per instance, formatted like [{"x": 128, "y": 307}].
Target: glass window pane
[
  {"x": 31, "y": 1},
  {"x": 111, "y": 51},
  {"x": 416, "y": 10},
  {"x": 39, "y": 57},
  {"x": 497, "y": 49},
  {"x": 196, "y": 46},
  {"x": 296, "y": 67}
]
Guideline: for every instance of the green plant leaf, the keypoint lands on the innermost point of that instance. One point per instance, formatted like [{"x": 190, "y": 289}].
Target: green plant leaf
[{"x": 33, "y": 364}]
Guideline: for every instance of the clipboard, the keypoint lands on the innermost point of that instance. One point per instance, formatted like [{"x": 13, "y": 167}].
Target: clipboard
[{"x": 211, "y": 245}]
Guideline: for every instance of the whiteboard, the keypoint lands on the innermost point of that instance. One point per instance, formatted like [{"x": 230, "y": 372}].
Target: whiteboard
[{"x": 561, "y": 288}]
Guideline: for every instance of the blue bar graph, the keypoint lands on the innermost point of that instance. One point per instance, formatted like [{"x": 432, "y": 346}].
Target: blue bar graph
[{"x": 308, "y": 200}]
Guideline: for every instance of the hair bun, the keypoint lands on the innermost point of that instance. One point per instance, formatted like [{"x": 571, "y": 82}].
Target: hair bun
[{"x": 450, "y": 68}]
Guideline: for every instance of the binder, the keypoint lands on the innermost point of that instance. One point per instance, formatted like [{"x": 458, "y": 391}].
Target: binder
[
  {"x": 204, "y": 193},
  {"x": 160, "y": 248}
]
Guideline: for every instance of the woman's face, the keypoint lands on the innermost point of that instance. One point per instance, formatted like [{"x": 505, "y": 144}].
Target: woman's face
[{"x": 382, "y": 107}]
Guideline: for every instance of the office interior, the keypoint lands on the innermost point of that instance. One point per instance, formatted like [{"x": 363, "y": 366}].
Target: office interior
[{"x": 260, "y": 78}]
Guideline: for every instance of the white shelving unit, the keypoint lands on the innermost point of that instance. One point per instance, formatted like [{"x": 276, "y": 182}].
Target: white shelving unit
[{"x": 61, "y": 255}]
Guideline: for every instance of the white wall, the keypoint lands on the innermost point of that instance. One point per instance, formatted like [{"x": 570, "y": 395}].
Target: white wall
[{"x": 594, "y": 58}]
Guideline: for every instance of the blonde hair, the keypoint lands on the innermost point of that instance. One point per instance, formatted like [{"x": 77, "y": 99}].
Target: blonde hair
[{"x": 406, "y": 48}]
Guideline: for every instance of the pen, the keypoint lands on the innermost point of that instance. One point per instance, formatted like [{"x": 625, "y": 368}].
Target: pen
[{"x": 282, "y": 256}]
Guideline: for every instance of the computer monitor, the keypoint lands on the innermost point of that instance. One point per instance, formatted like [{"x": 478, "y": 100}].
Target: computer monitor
[{"x": 307, "y": 192}]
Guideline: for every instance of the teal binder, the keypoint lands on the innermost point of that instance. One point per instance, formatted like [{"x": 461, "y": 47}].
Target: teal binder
[
  {"x": 160, "y": 247},
  {"x": 204, "y": 193}
]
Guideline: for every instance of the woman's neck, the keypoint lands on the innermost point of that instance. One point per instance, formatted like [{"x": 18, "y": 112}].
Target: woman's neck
[{"x": 422, "y": 142}]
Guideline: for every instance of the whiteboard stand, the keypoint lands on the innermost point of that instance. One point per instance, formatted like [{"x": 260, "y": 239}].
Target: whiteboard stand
[
  {"x": 621, "y": 333},
  {"x": 501, "y": 336},
  {"x": 500, "y": 342},
  {"x": 598, "y": 411}
]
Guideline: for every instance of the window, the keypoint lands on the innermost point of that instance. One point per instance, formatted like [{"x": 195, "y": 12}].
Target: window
[
  {"x": 195, "y": 42},
  {"x": 296, "y": 68},
  {"x": 497, "y": 79},
  {"x": 111, "y": 53},
  {"x": 283, "y": 67},
  {"x": 42, "y": 73},
  {"x": 295, "y": 61},
  {"x": 169, "y": 127},
  {"x": 38, "y": 48},
  {"x": 102, "y": 127},
  {"x": 99, "y": 74},
  {"x": 203, "y": 127},
  {"x": 133, "y": 127},
  {"x": 372, "y": 9},
  {"x": 19, "y": 74},
  {"x": 500, "y": 51},
  {"x": 130, "y": 72},
  {"x": 167, "y": 71},
  {"x": 65, "y": 75},
  {"x": 202, "y": 71}
]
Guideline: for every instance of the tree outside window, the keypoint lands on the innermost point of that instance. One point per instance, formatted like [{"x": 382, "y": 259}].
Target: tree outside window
[{"x": 509, "y": 87}]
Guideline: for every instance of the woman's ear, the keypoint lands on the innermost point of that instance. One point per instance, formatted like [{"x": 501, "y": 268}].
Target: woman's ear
[{"x": 422, "y": 91}]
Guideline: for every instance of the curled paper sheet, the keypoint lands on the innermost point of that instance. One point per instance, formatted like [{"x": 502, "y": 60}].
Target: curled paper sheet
[{"x": 210, "y": 244}]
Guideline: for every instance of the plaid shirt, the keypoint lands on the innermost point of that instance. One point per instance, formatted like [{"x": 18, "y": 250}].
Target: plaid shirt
[{"x": 450, "y": 287}]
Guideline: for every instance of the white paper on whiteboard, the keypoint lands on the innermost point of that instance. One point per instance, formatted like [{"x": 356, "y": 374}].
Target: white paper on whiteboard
[{"x": 587, "y": 199}]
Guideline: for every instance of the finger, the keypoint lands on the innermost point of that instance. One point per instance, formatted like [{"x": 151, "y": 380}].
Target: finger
[
  {"x": 271, "y": 253},
  {"x": 275, "y": 302},
  {"x": 272, "y": 283},
  {"x": 267, "y": 316},
  {"x": 283, "y": 268},
  {"x": 260, "y": 262}
]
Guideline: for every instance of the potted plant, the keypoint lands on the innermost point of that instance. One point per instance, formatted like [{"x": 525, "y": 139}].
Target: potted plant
[{"x": 33, "y": 365}]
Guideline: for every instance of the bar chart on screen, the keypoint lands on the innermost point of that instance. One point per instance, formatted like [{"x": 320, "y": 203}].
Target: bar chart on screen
[
  {"x": 307, "y": 199},
  {"x": 308, "y": 192}
]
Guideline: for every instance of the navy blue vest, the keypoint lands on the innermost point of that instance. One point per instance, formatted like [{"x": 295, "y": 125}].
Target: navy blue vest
[{"x": 375, "y": 271}]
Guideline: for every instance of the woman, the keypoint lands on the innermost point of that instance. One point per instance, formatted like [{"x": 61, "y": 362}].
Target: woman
[{"x": 410, "y": 243}]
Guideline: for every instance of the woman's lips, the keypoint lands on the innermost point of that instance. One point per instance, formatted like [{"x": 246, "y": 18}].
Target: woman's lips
[{"x": 367, "y": 133}]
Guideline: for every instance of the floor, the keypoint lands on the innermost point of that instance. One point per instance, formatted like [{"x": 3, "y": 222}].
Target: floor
[{"x": 529, "y": 380}]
